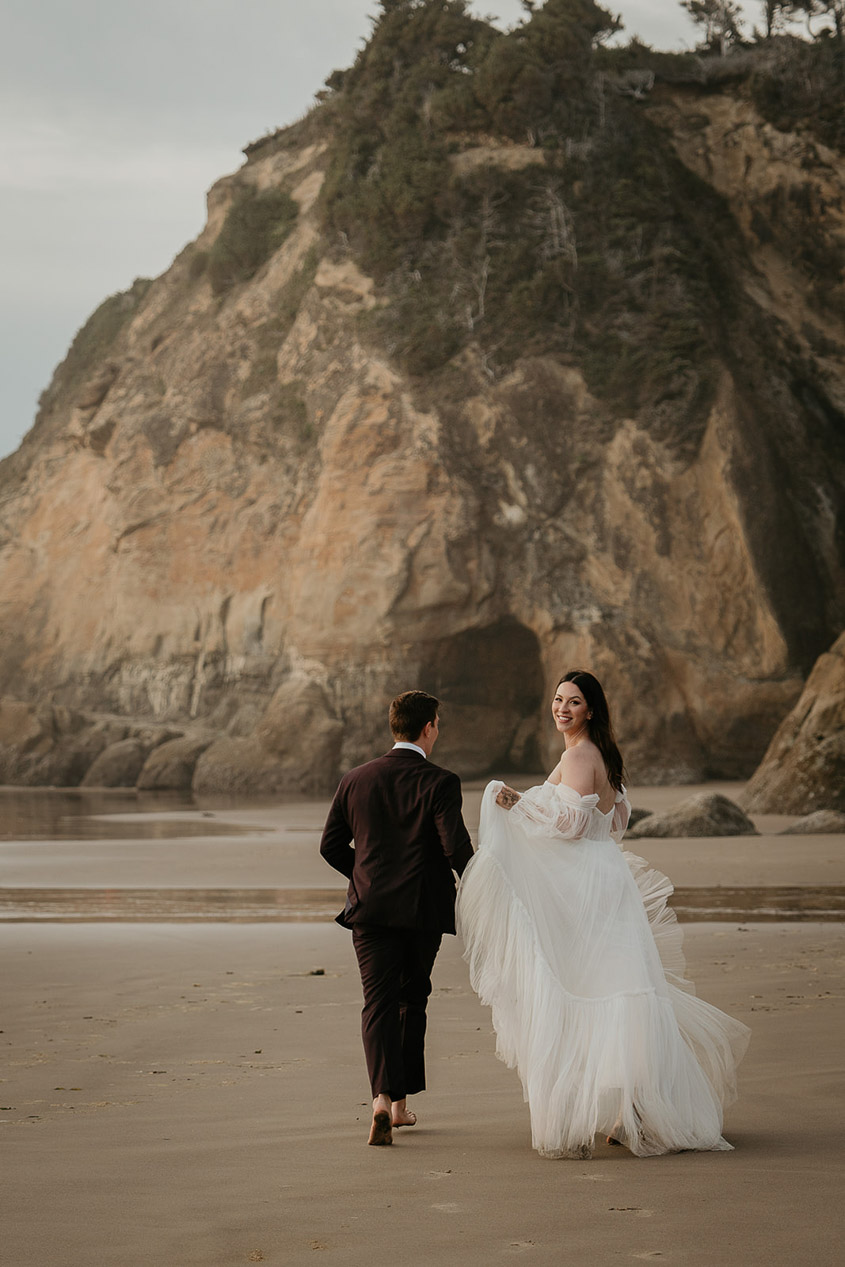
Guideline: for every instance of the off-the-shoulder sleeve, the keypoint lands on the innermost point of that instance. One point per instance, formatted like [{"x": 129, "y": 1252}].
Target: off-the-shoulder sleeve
[
  {"x": 555, "y": 808},
  {"x": 621, "y": 816}
]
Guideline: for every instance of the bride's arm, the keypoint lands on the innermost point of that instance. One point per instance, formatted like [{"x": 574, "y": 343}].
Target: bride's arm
[
  {"x": 507, "y": 797},
  {"x": 552, "y": 814},
  {"x": 543, "y": 812},
  {"x": 574, "y": 769},
  {"x": 621, "y": 816}
]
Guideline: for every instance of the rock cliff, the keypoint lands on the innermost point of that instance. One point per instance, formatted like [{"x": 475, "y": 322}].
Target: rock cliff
[
  {"x": 242, "y": 519},
  {"x": 803, "y": 771}
]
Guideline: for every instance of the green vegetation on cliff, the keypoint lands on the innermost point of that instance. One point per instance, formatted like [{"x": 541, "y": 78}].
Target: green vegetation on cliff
[
  {"x": 582, "y": 236},
  {"x": 256, "y": 224},
  {"x": 93, "y": 341},
  {"x": 802, "y": 85},
  {"x": 509, "y": 192}
]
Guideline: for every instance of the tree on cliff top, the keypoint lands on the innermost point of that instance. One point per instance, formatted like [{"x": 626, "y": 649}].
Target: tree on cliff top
[
  {"x": 594, "y": 244},
  {"x": 540, "y": 81},
  {"x": 431, "y": 70},
  {"x": 721, "y": 20}
]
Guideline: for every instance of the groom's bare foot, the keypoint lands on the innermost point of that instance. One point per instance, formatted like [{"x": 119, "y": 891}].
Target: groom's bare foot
[
  {"x": 380, "y": 1131},
  {"x": 402, "y": 1116}
]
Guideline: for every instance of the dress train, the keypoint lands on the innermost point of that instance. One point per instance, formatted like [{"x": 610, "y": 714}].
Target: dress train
[{"x": 571, "y": 943}]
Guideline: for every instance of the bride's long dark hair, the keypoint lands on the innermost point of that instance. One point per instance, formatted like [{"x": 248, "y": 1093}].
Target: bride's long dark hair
[{"x": 599, "y": 726}]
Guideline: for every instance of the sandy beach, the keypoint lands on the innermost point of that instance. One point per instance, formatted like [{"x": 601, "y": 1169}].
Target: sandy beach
[{"x": 194, "y": 1093}]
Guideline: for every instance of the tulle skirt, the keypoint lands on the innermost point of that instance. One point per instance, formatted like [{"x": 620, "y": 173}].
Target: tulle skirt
[{"x": 573, "y": 947}]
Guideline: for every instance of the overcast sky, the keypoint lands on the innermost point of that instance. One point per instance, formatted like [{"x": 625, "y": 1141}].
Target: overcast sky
[{"x": 117, "y": 115}]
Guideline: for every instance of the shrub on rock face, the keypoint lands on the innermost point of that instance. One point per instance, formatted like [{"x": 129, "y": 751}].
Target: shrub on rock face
[
  {"x": 802, "y": 86},
  {"x": 704, "y": 814},
  {"x": 98, "y": 335},
  {"x": 256, "y": 225}
]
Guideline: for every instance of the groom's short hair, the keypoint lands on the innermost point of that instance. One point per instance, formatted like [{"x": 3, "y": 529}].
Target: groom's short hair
[{"x": 410, "y": 713}]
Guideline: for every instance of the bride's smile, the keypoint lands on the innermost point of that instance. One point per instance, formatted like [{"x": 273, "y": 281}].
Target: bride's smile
[{"x": 569, "y": 710}]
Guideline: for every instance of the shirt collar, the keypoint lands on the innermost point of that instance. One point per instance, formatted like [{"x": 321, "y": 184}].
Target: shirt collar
[{"x": 413, "y": 747}]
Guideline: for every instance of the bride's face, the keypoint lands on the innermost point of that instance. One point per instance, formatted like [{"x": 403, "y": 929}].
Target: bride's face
[{"x": 569, "y": 709}]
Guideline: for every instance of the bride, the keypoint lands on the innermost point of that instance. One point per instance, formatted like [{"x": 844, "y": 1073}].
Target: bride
[{"x": 571, "y": 943}]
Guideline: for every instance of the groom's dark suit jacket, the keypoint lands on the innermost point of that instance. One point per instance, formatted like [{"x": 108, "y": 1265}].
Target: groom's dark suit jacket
[{"x": 404, "y": 814}]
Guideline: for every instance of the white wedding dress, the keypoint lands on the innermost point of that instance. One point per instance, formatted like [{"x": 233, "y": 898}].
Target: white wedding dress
[{"x": 571, "y": 943}]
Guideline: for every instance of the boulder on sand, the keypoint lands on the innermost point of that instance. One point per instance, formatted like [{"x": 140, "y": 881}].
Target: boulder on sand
[
  {"x": 824, "y": 822},
  {"x": 117, "y": 766},
  {"x": 170, "y": 767},
  {"x": 295, "y": 747},
  {"x": 703, "y": 814},
  {"x": 239, "y": 767}
]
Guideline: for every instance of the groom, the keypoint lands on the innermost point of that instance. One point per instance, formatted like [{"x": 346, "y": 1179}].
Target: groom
[{"x": 404, "y": 814}]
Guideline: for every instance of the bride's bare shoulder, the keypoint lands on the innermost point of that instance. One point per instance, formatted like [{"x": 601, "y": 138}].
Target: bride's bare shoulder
[
  {"x": 577, "y": 768},
  {"x": 556, "y": 775}
]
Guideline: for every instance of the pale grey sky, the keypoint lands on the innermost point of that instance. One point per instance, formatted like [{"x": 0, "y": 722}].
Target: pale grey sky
[{"x": 117, "y": 115}]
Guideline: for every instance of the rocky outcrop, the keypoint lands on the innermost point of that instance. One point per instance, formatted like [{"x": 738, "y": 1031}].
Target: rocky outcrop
[
  {"x": 241, "y": 767},
  {"x": 804, "y": 767},
  {"x": 295, "y": 746},
  {"x": 704, "y": 814},
  {"x": 48, "y": 744},
  {"x": 300, "y": 730},
  {"x": 170, "y": 767},
  {"x": 117, "y": 766},
  {"x": 236, "y": 514}
]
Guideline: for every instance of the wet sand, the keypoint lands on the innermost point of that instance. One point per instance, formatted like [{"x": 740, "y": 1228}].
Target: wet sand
[
  {"x": 162, "y": 844},
  {"x": 289, "y": 905},
  {"x": 194, "y": 1093}
]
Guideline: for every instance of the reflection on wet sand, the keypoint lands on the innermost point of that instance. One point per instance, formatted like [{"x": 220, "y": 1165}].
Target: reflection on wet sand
[
  {"x": 177, "y": 905},
  {"x": 309, "y": 905},
  {"x": 82, "y": 855},
  {"x": 122, "y": 814}
]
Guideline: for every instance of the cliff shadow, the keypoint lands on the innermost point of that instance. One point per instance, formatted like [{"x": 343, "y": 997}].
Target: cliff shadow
[{"x": 490, "y": 681}]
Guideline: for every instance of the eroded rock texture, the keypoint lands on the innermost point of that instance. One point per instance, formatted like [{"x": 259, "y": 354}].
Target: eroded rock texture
[
  {"x": 803, "y": 770},
  {"x": 236, "y": 517}
]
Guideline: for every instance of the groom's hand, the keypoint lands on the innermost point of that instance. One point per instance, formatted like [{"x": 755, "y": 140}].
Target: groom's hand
[{"x": 507, "y": 797}]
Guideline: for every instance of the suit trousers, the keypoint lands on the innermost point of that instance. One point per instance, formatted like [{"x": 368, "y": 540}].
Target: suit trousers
[{"x": 395, "y": 966}]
